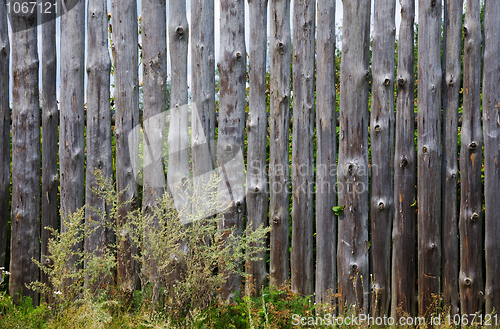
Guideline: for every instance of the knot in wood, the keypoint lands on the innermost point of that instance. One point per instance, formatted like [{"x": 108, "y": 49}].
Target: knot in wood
[
  {"x": 404, "y": 162},
  {"x": 433, "y": 3},
  {"x": 401, "y": 81},
  {"x": 276, "y": 220},
  {"x": 424, "y": 149},
  {"x": 350, "y": 169},
  {"x": 381, "y": 205},
  {"x": 228, "y": 148},
  {"x": 468, "y": 281},
  {"x": 377, "y": 128},
  {"x": 472, "y": 146},
  {"x": 354, "y": 267},
  {"x": 238, "y": 55},
  {"x": 474, "y": 217},
  {"x": 179, "y": 31},
  {"x": 387, "y": 81}
]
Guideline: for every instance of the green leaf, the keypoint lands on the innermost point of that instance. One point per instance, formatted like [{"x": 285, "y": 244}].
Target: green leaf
[
  {"x": 337, "y": 210},
  {"x": 414, "y": 204}
]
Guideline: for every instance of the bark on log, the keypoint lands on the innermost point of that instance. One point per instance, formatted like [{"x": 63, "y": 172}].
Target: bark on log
[
  {"x": 99, "y": 155},
  {"x": 301, "y": 259},
  {"x": 403, "y": 229},
  {"x": 232, "y": 72},
  {"x": 4, "y": 133},
  {"x": 125, "y": 56},
  {"x": 452, "y": 42},
  {"x": 353, "y": 271},
  {"x": 25, "y": 229},
  {"x": 71, "y": 131},
  {"x": 257, "y": 192},
  {"x": 279, "y": 172},
  {"x": 491, "y": 130},
  {"x": 326, "y": 140},
  {"x": 429, "y": 154},
  {"x": 382, "y": 143}
]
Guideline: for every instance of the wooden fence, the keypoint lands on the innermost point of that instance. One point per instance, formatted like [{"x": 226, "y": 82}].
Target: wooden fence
[{"x": 389, "y": 226}]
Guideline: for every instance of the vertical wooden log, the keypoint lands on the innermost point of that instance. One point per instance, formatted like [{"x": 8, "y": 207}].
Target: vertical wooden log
[
  {"x": 202, "y": 90},
  {"x": 178, "y": 139},
  {"x": 452, "y": 43},
  {"x": 429, "y": 154},
  {"x": 178, "y": 169},
  {"x": 25, "y": 229},
  {"x": 301, "y": 259},
  {"x": 99, "y": 155},
  {"x": 471, "y": 228},
  {"x": 382, "y": 142},
  {"x": 279, "y": 172},
  {"x": 125, "y": 55},
  {"x": 232, "y": 72},
  {"x": 50, "y": 124},
  {"x": 326, "y": 233},
  {"x": 491, "y": 130},
  {"x": 4, "y": 132},
  {"x": 257, "y": 195},
  {"x": 403, "y": 228},
  {"x": 154, "y": 61},
  {"x": 71, "y": 131},
  {"x": 352, "y": 182}
]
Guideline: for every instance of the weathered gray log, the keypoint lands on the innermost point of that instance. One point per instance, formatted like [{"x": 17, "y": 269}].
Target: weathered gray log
[
  {"x": 71, "y": 131},
  {"x": 326, "y": 145},
  {"x": 257, "y": 195},
  {"x": 4, "y": 132},
  {"x": 50, "y": 124},
  {"x": 403, "y": 229},
  {"x": 382, "y": 142},
  {"x": 301, "y": 258},
  {"x": 178, "y": 138},
  {"x": 203, "y": 121},
  {"x": 471, "y": 227},
  {"x": 125, "y": 56},
  {"x": 99, "y": 155},
  {"x": 452, "y": 70},
  {"x": 429, "y": 154},
  {"x": 279, "y": 172},
  {"x": 352, "y": 181},
  {"x": 232, "y": 72},
  {"x": 491, "y": 130},
  {"x": 25, "y": 229}
]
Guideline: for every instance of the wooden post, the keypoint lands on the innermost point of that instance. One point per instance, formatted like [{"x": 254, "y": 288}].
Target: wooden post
[
  {"x": 202, "y": 91},
  {"x": 4, "y": 133},
  {"x": 429, "y": 154},
  {"x": 326, "y": 157},
  {"x": 25, "y": 229},
  {"x": 352, "y": 182},
  {"x": 257, "y": 195},
  {"x": 452, "y": 42},
  {"x": 279, "y": 172},
  {"x": 491, "y": 131},
  {"x": 301, "y": 259},
  {"x": 99, "y": 155},
  {"x": 382, "y": 143},
  {"x": 72, "y": 115},
  {"x": 125, "y": 55},
  {"x": 471, "y": 227},
  {"x": 403, "y": 228},
  {"x": 232, "y": 72}
]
